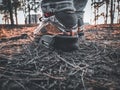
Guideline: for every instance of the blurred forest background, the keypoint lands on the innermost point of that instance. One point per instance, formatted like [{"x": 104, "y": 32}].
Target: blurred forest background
[
  {"x": 9, "y": 9},
  {"x": 27, "y": 65}
]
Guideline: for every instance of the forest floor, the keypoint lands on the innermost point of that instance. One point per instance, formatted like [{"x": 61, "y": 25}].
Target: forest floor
[{"x": 26, "y": 65}]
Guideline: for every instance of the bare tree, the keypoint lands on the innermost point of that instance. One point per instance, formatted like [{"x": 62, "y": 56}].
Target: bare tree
[
  {"x": 30, "y": 5},
  {"x": 16, "y": 5},
  {"x": 118, "y": 9},
  {"x": 110, "y": 10},
  {"x": 97, "y": 4},
  {"x": 107, "y": 5},
  {"x": 7, "y": 8},
  {"x": 6, "y": 18},
  {"x": 10, "y": 9}
]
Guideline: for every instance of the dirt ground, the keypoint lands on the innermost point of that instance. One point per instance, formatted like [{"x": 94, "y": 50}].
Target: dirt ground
[{"x": 26, "y": 65}]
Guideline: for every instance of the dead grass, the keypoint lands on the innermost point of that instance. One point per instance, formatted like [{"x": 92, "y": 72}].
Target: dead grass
[{"x": 26, "y": 64}]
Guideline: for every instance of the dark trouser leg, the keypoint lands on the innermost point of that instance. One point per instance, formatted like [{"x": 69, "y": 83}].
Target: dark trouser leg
[
  {"x": 63, "y": 11},
  {"x": 60, "y": 6},
  {"x": 79, "y": 6},
  {"x": 57, "y": 5}
]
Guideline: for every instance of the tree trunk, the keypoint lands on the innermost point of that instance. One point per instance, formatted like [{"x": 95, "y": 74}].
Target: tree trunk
[
  {"x": 11, "y": 12},
  {"x": 5, "y": 21},
  {"x": 106, "y": 13},
  {"x": 118, "y": 18},
  {"x": 114, "y": 6},
  {"x": 16, "y": 16},
  {"x": 29, "y": 14},
  {"x": 35, "y": 18},
  {"x": 95, "y": 16},
  {"x": 111, "y": 13}
]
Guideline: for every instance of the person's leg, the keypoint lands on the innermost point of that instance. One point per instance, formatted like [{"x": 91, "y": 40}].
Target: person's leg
[
  {"x": 57, "y": 5},
  {"x": 57, "y": 9},
  {"x": 63, "y": 10},
  {"x": 79, "y": 6}
]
